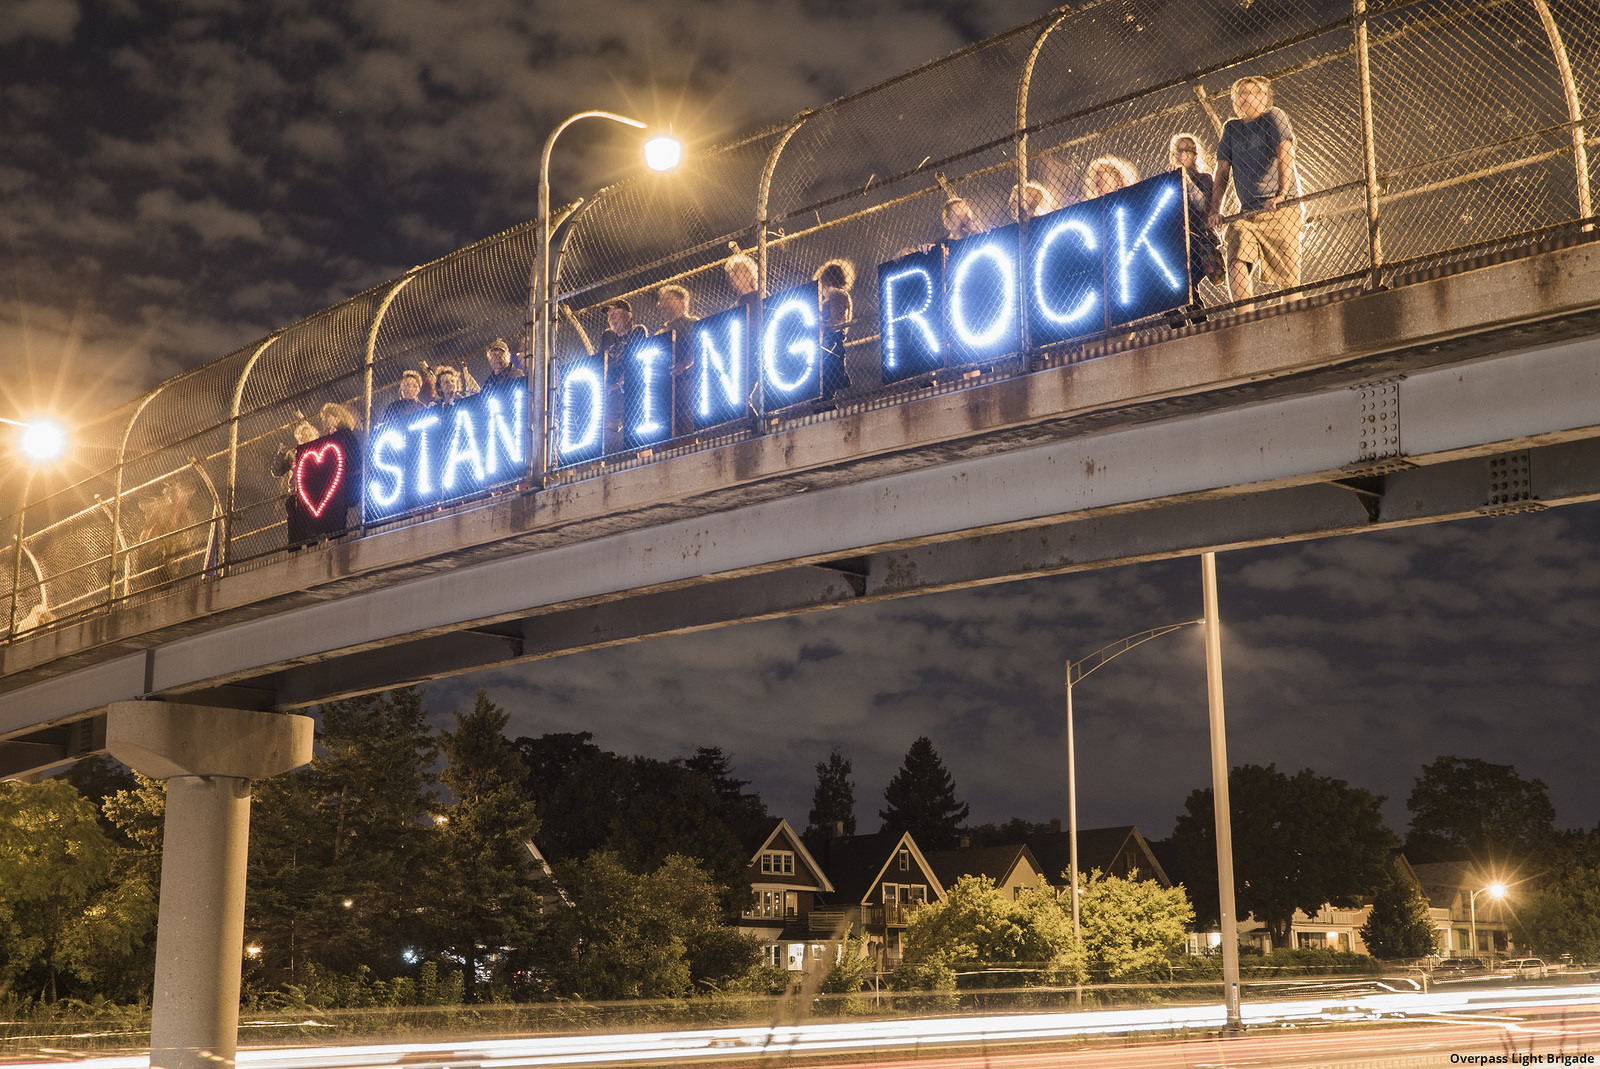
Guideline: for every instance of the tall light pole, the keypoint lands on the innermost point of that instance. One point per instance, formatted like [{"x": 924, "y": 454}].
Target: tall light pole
[
  {"x": 1076, "y": 671},
  {"x": 1227, "y": 920},
  {"x": 661, "y": 153},
  {"x": 1497, "y": 891},
  {"x": 39, "y": 442}
]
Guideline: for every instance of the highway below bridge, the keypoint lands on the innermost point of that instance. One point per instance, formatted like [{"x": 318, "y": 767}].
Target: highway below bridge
[{"x": 1472, "y": 392}]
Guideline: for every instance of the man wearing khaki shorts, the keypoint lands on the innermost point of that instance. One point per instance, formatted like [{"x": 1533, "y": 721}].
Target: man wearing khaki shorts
[{"x": 1257, "y": 152}]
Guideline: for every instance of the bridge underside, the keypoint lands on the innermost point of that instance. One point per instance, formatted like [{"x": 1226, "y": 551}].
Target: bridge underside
[{"x": 1469, "y": 395}]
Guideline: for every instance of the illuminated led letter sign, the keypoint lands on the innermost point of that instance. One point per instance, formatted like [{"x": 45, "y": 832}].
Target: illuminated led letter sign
[
  {"x": 911, "y": 311},
  {"x": 580, "y": 411},
  {"x": 446, "y": 452},
  {"x": 720, "y": 384},
  {"x": 1066, "y": 274},
  {"x": 791, "y": 348},
  {"x": 324, "y": 485},
  {"x": 1147, "y": 261},
  {"x": 647, "y": 393},
  {"x": 981, "y": 304}
]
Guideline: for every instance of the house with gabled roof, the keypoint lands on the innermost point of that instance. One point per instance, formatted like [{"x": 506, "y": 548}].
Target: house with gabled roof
[
  {"x": 785, "y": 880},
  {"x": 1114, "y": 851},
  {"x": 1012, "y": 868},
  {"x": 879, "y": 880}
]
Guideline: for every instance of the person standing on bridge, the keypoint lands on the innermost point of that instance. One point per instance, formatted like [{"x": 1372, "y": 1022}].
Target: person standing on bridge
[
  {"x": 1257, "y": 153},
  {"x": 503, "y": 375},
  {"x": 409, "y": 403},
  {"x": 742, "y": 276},
  {"x": 677, "y": 325},
  {"x": 834, "y": 280},
  {"x": 617, "y": 342}
]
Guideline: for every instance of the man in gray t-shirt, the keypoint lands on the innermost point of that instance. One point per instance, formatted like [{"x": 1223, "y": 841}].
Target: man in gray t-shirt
[{"x": 1257, "y": 152}]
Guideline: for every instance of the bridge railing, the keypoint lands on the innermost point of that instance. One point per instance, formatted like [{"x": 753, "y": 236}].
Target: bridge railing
[{"x": 1426, "y": 132}]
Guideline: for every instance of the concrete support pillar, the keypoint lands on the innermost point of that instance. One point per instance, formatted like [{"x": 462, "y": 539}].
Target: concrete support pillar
[{"x": 208, "y": 758}]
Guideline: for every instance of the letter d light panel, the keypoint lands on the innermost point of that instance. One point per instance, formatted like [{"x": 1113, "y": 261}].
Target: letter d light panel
[
  {"x": 791, "y": 348},
  {"x": 911, "y": 313},
  {"x": 580, "y": 411},
  {"x": 982, "y": 302}
]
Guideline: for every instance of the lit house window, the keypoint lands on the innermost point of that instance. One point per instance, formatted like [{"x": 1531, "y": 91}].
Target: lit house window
[
  {"x": 905, "y": 861},
  {"x": 778, "y": 862}
]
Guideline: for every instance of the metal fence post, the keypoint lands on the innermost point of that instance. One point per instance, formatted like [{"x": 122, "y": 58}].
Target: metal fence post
[
  {"x": 16, "y": 557},
  {"x": 1569, "y": 88},
  {"x": 762, "y": 223},
  {"x": 1024, "y": 85},
  {"x": 1369, "y": 150}
]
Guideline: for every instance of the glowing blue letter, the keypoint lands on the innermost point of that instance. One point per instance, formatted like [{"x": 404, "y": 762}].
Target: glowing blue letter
[
  {"x": 1126, "y": 252},
  {"x": 420, "y": 429},
  {"x": 584, "y": 376},
  {"x": 509, "y": 435},
  {"x": 390, "y": 440},
  {"x": 918, "y": 315},
  {"x": 1003, "y": 317},
  {"x": 804, "y": 346},
  {"x": 1040, "y": 255},
  {"x": 729, "y": 369},
  {"x": 645, "y": 356},
  {"x": 463, "y": 450}
]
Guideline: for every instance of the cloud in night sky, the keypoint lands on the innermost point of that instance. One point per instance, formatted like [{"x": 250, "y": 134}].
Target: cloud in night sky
[{"x": 182, "y": 178}]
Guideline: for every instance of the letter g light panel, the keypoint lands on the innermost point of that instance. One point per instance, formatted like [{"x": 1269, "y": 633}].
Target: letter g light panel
[{"x": 792, "y": 317}]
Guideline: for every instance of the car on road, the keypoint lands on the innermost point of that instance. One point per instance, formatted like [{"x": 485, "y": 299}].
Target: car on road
[
  {"x": 1524, "y": 968},
  {"x": 1457, "y": 967}
]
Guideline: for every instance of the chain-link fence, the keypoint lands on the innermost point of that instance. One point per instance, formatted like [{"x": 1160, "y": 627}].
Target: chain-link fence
[{"x": 1423, "y": 132}]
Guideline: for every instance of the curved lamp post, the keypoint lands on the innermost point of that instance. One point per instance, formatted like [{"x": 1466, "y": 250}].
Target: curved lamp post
[
  {"x": 661, "y": 153},
  {"x": 1496, "y": 891},
  {"x": 40, "y": 442},
  {"x": 1076, "y": 671}
]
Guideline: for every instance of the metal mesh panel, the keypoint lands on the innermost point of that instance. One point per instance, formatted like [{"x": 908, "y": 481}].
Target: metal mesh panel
[{"x": 1474, "y": 140}]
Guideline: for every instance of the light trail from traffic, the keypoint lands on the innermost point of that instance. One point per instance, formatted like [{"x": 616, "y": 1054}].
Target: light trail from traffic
[{"x": 1492, "y": 1012}]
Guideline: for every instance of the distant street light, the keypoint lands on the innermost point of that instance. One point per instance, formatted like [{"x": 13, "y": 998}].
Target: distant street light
[
  {"x": 1076, "y": 671},
  {"x": 1497, "y": 891},
  {"x": 661, "y": 153}
]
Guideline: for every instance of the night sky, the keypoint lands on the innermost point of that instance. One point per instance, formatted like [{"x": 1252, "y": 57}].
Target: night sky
[{"x": 180, "y": 179}]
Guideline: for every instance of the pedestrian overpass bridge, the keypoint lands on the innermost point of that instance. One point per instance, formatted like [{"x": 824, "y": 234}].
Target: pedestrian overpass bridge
[
  {"x": 1476, "y": 393},
  {"x": 1436, "y": 361}
]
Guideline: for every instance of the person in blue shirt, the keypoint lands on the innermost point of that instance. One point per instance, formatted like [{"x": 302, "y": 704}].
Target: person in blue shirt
[{"x": 1257, "y": 153}]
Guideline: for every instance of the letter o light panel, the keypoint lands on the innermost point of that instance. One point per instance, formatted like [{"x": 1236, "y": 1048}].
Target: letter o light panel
[{"x": 1004, "y": 316}]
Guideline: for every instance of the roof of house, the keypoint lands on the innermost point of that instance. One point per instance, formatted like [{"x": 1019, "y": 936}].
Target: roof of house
[
  {"x": 1098, "y": 848},
  {"x": 996, "y": 862},
  {"x": 856, "y": 864},
  {"x": 758, "y": 836},
  {"x": 1442, "y": 881}
]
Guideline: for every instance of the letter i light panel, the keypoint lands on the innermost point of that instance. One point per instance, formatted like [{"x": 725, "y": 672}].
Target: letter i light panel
[
  {"x": 647, "y": 394},
  {"x": 911, "y": 315},
  {"x": 791, "y": 348},
  {"x": 1147, "y": 249},
  {"x": 982, "y": 305}
]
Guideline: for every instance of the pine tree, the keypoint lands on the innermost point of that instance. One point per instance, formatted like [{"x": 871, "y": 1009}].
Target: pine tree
[
  {"x": 1399, "y": 925},
  {"x": 716, "y": 766},
  {"x": 486, "y": 891},
  {"x": 922, "y": 799},
  {"x": 833, "y": 801}
]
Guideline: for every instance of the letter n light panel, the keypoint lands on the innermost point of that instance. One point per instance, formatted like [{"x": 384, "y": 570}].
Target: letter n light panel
[
  {"x": 911, "y": 315},
  {"x": 720, "y": 385}
]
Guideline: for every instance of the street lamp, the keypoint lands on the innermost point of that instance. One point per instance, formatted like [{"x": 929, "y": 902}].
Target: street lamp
[
  {"x": 40, "y": 439},
  {"x": 1496, "y": 891},
  {"x": 661, "y": 153},
  {"x": 1076, "y": 671}
]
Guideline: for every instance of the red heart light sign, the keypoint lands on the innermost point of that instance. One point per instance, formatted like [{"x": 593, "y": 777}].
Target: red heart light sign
[{"x": 313, "y": 470}]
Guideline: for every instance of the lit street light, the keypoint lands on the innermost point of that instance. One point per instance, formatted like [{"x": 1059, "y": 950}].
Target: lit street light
[
  {"x": 1496, "y": 891},
  {"x": 661, "y": 153},
  {"x": 40, "y": 439}
]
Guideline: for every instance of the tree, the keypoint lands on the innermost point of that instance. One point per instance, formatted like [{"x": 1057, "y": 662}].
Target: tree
[
  {"x": 922, "y": 799},
  {"x": 717, "y": 768},
  {"x": 978, "y": 926},
  {"x": 639, "y": 935},
  {"x": 1132, "y": 928},
  {"x": 1466, "y": 809},
  {"x": 53, "y": 856},
  {"x": 354, "y": 826},
  {"x": 1299, "y": 842},
  {"x": 832, "y": 802},
  {"x": 1561, "y": 915},
  {"x": 486, "y": 895},
  {"x": 1399, "y": 925}
]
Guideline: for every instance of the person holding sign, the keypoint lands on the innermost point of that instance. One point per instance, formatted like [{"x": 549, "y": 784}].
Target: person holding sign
[
  {"x": 617, "y": 343},
  {"x": 678, "y": 326},
  {"x": 1257, "y": 153},
  {"x": 834, "y": 280}
]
